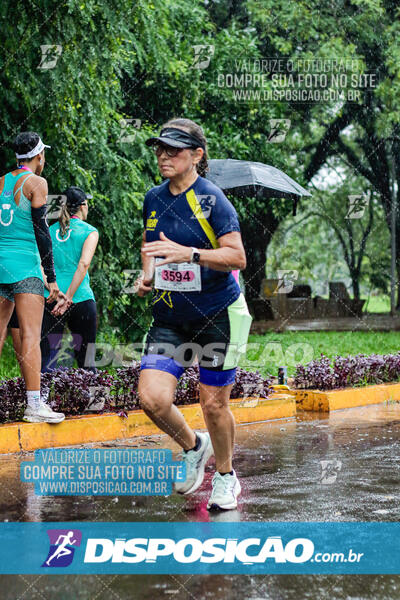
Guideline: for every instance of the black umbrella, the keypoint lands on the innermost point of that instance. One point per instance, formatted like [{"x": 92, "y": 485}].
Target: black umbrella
[{"x": 244, "y": 178}]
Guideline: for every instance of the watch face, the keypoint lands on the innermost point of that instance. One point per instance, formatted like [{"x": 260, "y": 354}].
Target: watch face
[{"x": 196, "y": 257}]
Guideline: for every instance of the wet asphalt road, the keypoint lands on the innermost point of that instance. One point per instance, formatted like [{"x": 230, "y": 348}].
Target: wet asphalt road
[{"x": 283, "y": 479}]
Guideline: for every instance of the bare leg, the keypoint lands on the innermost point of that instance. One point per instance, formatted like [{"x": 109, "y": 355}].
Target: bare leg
[
  {"x": 220, "y": 423},
  {"x": 156, "y": 392},
  {"x": 29, "y": 308},
  {"x": 16, "y": 338}
]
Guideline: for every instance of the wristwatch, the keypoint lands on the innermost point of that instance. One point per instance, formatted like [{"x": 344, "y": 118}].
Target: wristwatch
[{"x": 195, "y": 258}]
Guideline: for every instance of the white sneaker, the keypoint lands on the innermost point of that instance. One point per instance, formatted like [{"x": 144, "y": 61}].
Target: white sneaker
[
  {"x": 195, "y": 461},
  {"x": 46, "y": 407},
  {"x": 44, "y": 414},
  {"x": 225, "y": 490}
]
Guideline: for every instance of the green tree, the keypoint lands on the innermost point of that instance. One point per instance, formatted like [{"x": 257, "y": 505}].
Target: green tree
[
  {"x": 364, "y": 134},
  {"x": 346, "y": 224},
  {"x": 77, "y": 106}
]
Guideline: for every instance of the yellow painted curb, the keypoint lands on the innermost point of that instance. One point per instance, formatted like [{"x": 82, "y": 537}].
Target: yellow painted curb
[
  {"x": 9, "y": 438},
  {"x": 347, "y": 398},
  {"x": 86, "y": 429},
  {"x": 283, "y": 389},
  {"x": 252, "y": 410},
  {"x": 305, "y": 399}
]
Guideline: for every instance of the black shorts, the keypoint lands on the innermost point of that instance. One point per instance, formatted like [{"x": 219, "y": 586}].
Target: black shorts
[{"x": 216, "y": 341}]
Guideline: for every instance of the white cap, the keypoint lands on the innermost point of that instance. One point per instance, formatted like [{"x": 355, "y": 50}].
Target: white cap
[{"x": 36, "y": 150}]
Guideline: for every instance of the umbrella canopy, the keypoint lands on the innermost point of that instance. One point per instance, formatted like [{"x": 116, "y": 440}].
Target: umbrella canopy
[{"x": 244, "y": 178}]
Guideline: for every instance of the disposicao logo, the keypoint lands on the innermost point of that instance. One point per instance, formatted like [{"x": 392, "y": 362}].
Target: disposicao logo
[
  {"x": 190, "y": 550},
  {"x": 62, "y": 547}
]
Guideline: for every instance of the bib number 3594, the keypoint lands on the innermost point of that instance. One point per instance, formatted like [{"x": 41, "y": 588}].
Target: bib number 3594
[{"x": 178, "y": 277}]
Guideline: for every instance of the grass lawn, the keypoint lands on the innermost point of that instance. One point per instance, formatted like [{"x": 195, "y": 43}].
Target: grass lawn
[
  {"x": 291, "y": 347},
  {"x": 377, "y": 304},
  {"x": 8, "y": 363},
  {"x": 268, "y": 352}
]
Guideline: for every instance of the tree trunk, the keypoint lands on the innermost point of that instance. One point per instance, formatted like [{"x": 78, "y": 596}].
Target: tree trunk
[
  {"x": 255, "y": 270},
  {"x": 256, "y": 237},
  {"x": 356, "y": 286}
]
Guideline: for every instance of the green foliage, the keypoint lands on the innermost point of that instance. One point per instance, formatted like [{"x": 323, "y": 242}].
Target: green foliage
[
  {"x": 77, "y": 108},
  {"x": 355, "y": 241},
  {"x": 123, "y": 60},
  {"x": 135, "y": 60},
  {"x": 299, "y": 347}
]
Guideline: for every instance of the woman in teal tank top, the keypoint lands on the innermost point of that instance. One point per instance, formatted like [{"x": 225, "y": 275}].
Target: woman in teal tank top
[
  {"x": 25, "y": 245},
  {"x": 74, "y": 243}
]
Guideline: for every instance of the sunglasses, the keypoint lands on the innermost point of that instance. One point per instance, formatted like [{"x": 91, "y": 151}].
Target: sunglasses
[{"x": 171, "y": 151}]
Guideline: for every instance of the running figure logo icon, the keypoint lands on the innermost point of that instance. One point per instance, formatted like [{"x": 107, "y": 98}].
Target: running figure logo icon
[{"x": 62, "y": 547}]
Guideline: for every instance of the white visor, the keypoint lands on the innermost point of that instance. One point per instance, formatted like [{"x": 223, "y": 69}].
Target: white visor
[{"x": 36, "y": 150}]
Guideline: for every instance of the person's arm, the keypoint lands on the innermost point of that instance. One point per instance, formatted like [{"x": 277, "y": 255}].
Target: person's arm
[
  {"x": 88, "y": 250},
  {"x": 230, "y": 254},
  {"x": 37, "y": 193},
  {"x": 62, "y": 300},
  {"x": 144, "y": 281},
  {"x": 46, "y": 285}
]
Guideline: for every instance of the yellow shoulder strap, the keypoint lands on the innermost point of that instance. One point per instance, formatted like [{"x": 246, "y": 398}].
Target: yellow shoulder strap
[{"x": 198, "y": 213}]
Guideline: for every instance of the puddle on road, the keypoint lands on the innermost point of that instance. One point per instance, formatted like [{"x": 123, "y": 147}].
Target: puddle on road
[
  {"x": 342, "y": 466},
  {"x": 316, "y": 466}
]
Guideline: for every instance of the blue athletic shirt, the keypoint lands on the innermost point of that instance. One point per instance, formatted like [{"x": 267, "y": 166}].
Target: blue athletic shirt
[{"x": 172, "y": 214}]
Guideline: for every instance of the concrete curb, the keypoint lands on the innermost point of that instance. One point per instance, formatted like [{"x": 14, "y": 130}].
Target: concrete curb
[
  {"x": 84, "y": 429},
  {"x": 346, "y": 398}
]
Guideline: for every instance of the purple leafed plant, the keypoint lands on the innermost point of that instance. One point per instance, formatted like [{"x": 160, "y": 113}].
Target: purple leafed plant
[
  {"x": 348, "y": 371},
  {"x": 72, "y": 391},
  {"x": 124, "y": 388},
  {"x": 251, "y": 383}
]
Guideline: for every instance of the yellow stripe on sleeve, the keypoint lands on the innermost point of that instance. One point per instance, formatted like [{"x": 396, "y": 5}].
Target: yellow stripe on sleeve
[{"x": 198, "y": 213}]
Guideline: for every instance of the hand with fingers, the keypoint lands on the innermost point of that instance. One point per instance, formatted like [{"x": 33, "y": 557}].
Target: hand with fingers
[
  {"x": 171, "y": 251},
  {"x": 63, "y": 304},
  {"x": 143, "y": 285},
  {"x": 53, "y": 292}
]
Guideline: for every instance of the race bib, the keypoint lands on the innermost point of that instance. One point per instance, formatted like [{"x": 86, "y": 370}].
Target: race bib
[{"x": 178, "y": 277}]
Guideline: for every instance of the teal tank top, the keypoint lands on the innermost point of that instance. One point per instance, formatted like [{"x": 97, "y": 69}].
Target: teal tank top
[
  {"x": 19, "y": 254},
  {"x": 67, "y": 253}
]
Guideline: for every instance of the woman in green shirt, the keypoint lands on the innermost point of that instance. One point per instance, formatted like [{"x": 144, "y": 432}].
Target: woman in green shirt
[
  {"x": 74, "y": 244},
  {"x": 25, "y": 245}
]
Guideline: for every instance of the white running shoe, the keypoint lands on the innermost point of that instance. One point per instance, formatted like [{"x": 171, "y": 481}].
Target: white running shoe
[
  {"x": 44, "y": 414},
  {"x": 225, "y": 490},
  {"x": 195, "y": 461}
]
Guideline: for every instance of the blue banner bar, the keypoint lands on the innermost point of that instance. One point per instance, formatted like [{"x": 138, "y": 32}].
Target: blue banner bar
[{"x": 213, "y": 548}]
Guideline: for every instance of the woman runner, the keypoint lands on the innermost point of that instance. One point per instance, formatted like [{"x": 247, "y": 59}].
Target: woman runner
[
  {"x": 192, "y": 232},
  {"x": 25, "y": 243}
]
